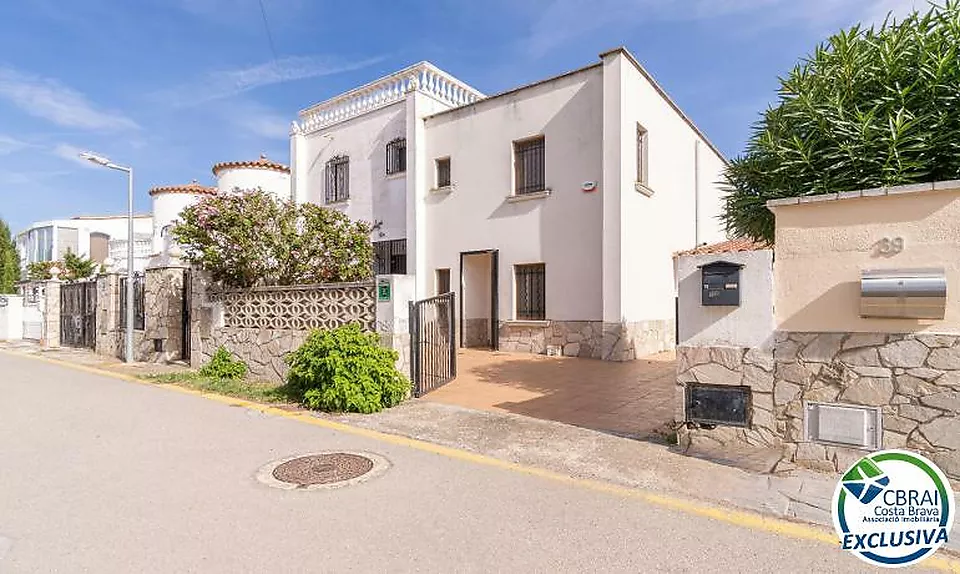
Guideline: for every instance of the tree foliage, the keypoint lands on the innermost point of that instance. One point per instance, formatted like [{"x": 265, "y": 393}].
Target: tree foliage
[
  {"x": 40, "y": 270},
  {"x": 251, "y": 238},
  {"x": 75, "y": 267},
  {"x": 871, "y": 107},
  {"x": 9, "y": 260}
]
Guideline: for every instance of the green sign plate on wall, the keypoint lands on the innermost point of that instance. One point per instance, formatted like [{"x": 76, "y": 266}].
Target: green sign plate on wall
[{"x": 383, "y": 291}]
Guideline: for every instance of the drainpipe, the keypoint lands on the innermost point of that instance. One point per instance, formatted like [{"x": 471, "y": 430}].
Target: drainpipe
[{"x": 696, "y": 193}]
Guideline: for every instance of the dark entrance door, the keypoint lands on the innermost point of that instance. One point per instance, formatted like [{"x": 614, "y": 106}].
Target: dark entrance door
[{"x": 78, "y": 314}]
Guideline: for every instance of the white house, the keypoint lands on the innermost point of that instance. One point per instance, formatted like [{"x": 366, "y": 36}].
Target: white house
[
  {"x": 552, "y": 210},
  {"x": 88, "y": 236},
  {"x": 231, "y": 176}
]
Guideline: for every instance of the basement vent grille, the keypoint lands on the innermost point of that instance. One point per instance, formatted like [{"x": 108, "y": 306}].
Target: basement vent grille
[{"x": 846, "y": 425}]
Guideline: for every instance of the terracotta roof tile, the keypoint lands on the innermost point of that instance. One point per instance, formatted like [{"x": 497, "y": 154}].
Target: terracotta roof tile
[
  {"x": 193, "y": 187},
  {"x": 262, "y": 163},
  {"x": 731, "y": 246}
]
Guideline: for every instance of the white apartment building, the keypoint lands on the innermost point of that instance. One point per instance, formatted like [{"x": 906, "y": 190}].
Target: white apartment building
[
  {"x": 552, "y": 210},
  {"x": 95, "y": 237}
]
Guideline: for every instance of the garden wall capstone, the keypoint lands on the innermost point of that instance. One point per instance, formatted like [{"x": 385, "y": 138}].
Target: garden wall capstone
[{"x": 913, "y": 378}]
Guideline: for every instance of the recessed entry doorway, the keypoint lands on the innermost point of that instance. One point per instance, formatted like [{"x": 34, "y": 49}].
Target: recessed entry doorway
[{"x": 479, "y": 299}]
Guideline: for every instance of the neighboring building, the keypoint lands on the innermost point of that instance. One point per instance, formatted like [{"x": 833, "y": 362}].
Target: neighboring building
[
  {"x": 552, "y": 209},
  {"x": 231, "y": 176},
  {"x": 261, "y": 173},
  {"x": 87, "y": 236}
]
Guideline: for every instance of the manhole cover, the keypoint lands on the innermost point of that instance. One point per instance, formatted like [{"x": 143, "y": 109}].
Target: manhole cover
[{"x": 322, "y": 470}]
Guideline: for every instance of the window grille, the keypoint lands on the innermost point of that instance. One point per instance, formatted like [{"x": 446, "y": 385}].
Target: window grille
[{"x": 529, "y": 166}]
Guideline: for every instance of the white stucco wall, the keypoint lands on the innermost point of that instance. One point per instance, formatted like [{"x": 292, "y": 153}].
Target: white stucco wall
[
  {"x": 562, "y": 230},
  {"x": 680, "y": 214},
  {"x": 166, "y": 209},
  {"x": 374, "y": 196},
  {"x": 248, "y": 178},
  {"x": 749, "y": 325}
]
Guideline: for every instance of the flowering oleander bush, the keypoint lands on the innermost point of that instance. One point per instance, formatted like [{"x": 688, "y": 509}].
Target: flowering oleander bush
[{"x": 251, "y": 238}]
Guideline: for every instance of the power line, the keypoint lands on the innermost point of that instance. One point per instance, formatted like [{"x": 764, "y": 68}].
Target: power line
[{"x": 266, "y": 26}]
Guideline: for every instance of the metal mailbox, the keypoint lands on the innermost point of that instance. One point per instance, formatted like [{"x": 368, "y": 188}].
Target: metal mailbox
[
  {"x": 903, "y": 293},
  {"x": 721, "y": 283},
  {"x": 717, "y": 404}
]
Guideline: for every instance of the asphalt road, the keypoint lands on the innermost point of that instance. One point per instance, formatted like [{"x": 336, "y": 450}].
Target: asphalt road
[{"x": 104, "y": 475}]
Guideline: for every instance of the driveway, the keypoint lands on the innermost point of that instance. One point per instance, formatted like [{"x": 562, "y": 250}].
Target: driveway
[
  {"x": 103, "y": 475},
  {"x": 633, "y": 399}
]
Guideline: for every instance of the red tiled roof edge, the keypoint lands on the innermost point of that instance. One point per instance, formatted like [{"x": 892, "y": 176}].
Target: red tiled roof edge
[{"x": 731, "y": 246}]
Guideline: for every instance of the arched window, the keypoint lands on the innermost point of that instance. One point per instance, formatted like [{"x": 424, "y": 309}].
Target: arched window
[{"x": 397, "y": 156}]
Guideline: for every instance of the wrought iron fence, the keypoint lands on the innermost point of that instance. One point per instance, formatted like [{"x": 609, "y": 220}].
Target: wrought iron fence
[
  {"x": 138, "y": 302},
  {"x": 433, "y": 349},
  {"x": 78, "y": 314}
]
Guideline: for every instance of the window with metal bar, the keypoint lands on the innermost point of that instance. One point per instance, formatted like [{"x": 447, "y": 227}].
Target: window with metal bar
[
  {"x": 337, "y": 179},
  {"x": 390, "y": 257},
  {"x": 397, "y": 156},
  {"x": 443, "y": 281},
  {"x": 443, "y": 172},
  {"x": 642, "y": 153},
  {"x": 529, "y": 168},
  {"x": 531, "y": 292}
]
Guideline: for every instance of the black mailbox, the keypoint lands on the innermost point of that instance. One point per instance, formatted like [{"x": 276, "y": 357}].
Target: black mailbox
[{"x": 721, "y": 283}]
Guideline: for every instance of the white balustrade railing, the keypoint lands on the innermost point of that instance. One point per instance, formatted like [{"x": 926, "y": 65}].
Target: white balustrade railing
[{"x": 423, "y": 77}]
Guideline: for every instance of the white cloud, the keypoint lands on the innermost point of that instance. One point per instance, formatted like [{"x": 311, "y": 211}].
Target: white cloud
[
  {"x": 10, "y": 145},
  {"x": 556, "y": 22},
  {"x": 227, "y": 83},
  {"x": 49, "y": 99}
]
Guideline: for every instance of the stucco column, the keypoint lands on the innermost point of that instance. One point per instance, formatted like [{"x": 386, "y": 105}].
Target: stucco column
[
  {"x": 299, "y": 164},
  {"x": 610, "y": 187},
  {"x": 417, "y": 183},
  {"x": 51, "y": 313},
  {"x": 393, "y": 317}
]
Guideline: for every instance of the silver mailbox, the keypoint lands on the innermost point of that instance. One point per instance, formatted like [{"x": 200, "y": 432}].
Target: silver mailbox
[{"x": 903, "y": 293}]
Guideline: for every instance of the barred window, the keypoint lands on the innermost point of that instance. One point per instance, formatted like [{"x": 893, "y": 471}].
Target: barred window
[
  {"x": 390, "y": 257},
  {"x": 337, "y": 184},
  {"x": 397, "y": 156},
  {"x": 531, "y": 292},
  {"x": 443, "y": 172},
  {"x": 528, "y": 161}
]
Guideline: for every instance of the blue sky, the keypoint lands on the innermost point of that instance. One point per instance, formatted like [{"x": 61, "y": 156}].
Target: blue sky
[{"x": 173, "y": 86}]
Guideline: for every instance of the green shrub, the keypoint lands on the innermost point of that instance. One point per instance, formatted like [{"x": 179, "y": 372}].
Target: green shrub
[
  {"x": 222, "y": 365},
  {"x": 346, "y": 370}
]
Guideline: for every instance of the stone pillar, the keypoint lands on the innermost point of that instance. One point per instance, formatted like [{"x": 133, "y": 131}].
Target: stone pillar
[
  {"x": 51, "y": 313},
  {"x": 206, "y": 315},
  {"x": 394, "y": 294},
  {"x": 163, "y": 314},
  {"x": 108, "y": 314}
]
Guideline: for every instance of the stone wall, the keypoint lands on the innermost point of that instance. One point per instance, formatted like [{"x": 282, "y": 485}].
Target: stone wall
[
  {"x": 913, "y": 378},
  {"x": 476, "y": 333},
  {"x": 588, "y": 339},
  {"x": 161, "y": 339},
  {"x": 260, "y": 326}
]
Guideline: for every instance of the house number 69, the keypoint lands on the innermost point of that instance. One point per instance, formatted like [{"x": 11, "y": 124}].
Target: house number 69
[{"x": 887, "y": 246}]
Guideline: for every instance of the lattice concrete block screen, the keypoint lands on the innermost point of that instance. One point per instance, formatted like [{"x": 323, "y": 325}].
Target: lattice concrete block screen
[{"x": 301, "y": 307}]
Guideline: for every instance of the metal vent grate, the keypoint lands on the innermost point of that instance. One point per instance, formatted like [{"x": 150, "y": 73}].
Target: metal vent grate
[{"x": 847, "y": 425}]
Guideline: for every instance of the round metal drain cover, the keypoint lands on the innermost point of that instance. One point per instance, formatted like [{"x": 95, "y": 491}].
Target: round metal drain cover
[{"x": 322, "y": 470}]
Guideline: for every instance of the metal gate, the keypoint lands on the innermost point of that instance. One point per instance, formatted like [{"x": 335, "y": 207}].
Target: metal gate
[
  {"x": 433, "y": 348},
  {"x": 33, "y": 304},
  {"x": 185, "y": 316},
  {"x": 78, "y": 314}
]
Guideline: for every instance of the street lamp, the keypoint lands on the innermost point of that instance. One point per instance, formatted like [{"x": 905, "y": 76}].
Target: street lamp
[{"x": 102, "y": 161}]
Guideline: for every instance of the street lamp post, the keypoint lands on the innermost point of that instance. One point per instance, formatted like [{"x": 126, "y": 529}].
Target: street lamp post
[{"x": 102, "y": 161}]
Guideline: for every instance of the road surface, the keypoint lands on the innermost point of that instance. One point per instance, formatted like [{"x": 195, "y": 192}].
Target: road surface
[{"x": 104, "y": 475}]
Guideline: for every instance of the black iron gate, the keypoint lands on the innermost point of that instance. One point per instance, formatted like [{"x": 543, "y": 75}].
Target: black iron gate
[
  {"x": 78, "y": 314},
  {"x": 433, "y": 348},
  {"x": 185, "y": 316}
]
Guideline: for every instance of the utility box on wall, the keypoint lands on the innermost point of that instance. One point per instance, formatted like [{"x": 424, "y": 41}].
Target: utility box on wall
[{"x": 721, "y": 284}]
